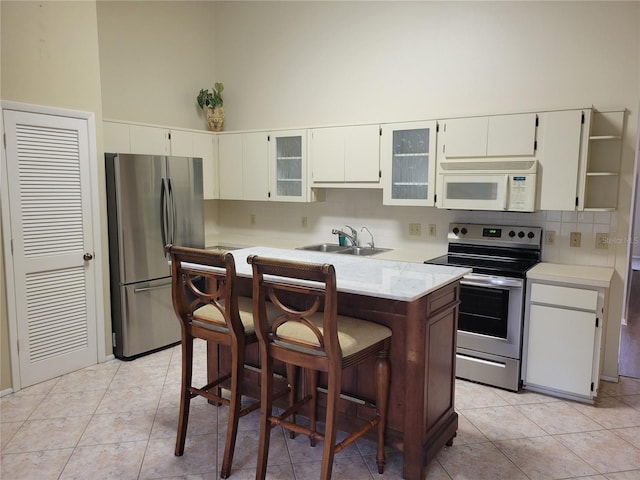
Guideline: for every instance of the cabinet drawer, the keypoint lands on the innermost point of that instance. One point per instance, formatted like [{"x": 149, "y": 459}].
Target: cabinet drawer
[{"x": 564, "y": 296}]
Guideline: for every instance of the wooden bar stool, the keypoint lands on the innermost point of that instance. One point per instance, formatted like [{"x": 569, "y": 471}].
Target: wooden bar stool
[
  {"x": 207, "y": 304},
  {"x": 308, "y": 332}
]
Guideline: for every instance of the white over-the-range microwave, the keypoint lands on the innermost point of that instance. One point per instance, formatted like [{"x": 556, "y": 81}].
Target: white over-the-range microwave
[{"x": 507, "y": 185}]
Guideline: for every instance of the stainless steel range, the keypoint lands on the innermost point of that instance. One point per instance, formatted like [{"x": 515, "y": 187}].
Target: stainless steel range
[{"x": 492, "y": 298}]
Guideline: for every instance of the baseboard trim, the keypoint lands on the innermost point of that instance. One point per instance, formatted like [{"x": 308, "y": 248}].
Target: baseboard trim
[
  {"x": 5, "y": 392},
  {"x": 609, "y": 379}
]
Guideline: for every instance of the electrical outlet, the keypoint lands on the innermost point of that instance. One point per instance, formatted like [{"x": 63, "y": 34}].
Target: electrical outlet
[
  {"x": 602, "y": 240},
  {"x": 574, "y": 239},
  {"x": 432, "y": 229},
  {"x": 549, "y": 237},
  {"x": 252, "y": 219},
  {"x": 303, "y": 222},
  {"x": 415, "y": 229}
]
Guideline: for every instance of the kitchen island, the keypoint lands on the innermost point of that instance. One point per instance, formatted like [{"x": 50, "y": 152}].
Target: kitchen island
[{"x": 420, "y": 304}]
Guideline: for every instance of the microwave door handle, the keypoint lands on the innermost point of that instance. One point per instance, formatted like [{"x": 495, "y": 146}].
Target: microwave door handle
[{"x": 505, "y": 197}]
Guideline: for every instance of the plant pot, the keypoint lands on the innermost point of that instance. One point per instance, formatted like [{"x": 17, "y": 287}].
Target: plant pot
[{"x": 215, "y": 118}]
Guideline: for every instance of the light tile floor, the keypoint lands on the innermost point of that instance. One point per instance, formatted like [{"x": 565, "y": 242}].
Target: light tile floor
[{"x": 118, "y": 420}]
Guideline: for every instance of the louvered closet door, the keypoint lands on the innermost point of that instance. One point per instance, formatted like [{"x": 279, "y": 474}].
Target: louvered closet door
[{"x": 50, "y": 205}]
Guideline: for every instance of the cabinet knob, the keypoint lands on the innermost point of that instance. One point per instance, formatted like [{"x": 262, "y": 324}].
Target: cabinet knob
[{"x": 87, "y": 257}]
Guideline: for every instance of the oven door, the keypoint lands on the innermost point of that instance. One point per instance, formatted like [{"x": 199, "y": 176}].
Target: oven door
[{"x": 490, "y": 315}]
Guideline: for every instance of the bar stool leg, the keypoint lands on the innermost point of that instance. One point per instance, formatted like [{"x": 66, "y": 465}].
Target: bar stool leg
[
  {"x": 265, "y": 414},
  {"x": 311, "y": 388},
  {"x": 383, "y": 378},
  {"x": 237, "y": 375},
  {"x": 333, "y": 397},
  {"x": 185, "y": 396}
]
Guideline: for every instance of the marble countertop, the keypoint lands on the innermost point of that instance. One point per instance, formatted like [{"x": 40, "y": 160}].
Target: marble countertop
[
  {"x": 391, "y": 279},
  {"x": 590, "y": 276}
]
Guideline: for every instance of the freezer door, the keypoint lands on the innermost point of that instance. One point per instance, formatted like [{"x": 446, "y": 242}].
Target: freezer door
[
  {"x": 184, "y": 179},
  {"x": 146, "y": 320},
  {"x": 138, "y": 187}
]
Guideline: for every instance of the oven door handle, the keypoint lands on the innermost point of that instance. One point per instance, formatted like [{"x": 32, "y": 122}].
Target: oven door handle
[{"x": 491, "y": 282}]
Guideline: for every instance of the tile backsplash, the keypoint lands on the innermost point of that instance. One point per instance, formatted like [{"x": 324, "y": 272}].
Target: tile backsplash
[{"x": 306, "y": 223}]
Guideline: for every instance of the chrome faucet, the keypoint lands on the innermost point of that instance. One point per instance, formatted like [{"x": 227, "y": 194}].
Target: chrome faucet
[
  {"x": 353, "y": 238},
  {"x": 371, "y": 244}
]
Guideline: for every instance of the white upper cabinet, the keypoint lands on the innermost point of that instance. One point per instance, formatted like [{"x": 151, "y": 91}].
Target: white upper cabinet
[
  {"x": 345, "y": 156},
  {"x": 288, "y": 166},
  {"x": 120, "y": 137},
  {"x": 561, "y": 137},
  {"x": 493, "y": 136},
  {"x": 149, "y": 140},
  {"x": 264, "y": 166},
  {"x": 230, "y": 165},
  {"x": 203, "y": 145},
  {"x": 255, "y": 166},
  {"x": 116, "y": 137},
  {"x": 408, "y": 152}
]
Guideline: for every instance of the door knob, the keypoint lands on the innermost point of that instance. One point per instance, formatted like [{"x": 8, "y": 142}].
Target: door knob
[{"x": 87, "y": 256}]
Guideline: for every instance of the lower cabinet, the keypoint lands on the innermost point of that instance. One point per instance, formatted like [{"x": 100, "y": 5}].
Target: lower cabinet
[{"x": 563, "y": 339}]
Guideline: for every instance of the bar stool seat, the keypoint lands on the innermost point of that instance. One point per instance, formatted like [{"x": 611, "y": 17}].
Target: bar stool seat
[{"x": 307, "y": 332}]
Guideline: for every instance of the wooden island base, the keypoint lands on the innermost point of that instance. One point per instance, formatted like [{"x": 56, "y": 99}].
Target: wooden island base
[{"x": 421, "y": 416}]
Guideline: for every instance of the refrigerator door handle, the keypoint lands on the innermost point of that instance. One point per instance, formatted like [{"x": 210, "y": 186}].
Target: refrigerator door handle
[
  {"x": 163, "y": 212},
  {"x": 173, "y": 213}
]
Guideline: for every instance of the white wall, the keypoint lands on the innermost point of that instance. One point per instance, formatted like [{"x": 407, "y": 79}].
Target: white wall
[
  {"x": 154, "y": 59},
  {"x": 50, "y": 57},
  {"x": 289, "y": 64}
]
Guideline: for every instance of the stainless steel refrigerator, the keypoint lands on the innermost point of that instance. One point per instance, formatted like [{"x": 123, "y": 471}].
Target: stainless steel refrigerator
[{"x": 151, "y": 201}]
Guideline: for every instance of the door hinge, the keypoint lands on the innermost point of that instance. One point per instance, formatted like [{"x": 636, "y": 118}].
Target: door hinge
[
  {"x": 437, "y": 127},
  {"x": 576, "y": 201},
  {"x": 597, "y": 322},
  {"x": 113, "y": 339},
  {"x": 380, "y": 131},
  {"x": 269, "y": 195},
  {"x": 12, "y": 246},
  {"x": 169, "y": 135},
  {"x": 535, "y": 144},
  {"x": 4, "y": 140},
  {"x": 379, "y": 173},
  {"x": 582, "y": 119},
  {"x": 435, "y": 197},
  {"x": 592, "y": 386},
  {"x": 268, "y": 138},
  {"x": 537, "y": 121}
]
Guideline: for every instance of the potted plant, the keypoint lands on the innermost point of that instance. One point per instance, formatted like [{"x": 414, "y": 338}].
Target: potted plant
[{"x": 211, "y": 103}]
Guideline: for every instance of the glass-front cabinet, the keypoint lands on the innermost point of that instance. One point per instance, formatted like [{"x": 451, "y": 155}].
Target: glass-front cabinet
[
  {"x": 288, "y": 166},
  {"x": 408, "y": 152}
]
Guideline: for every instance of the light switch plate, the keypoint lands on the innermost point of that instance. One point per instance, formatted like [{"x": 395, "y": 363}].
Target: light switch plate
[
  {"x": 575, "y": 239},
  {"x": 602, "y": 240}
]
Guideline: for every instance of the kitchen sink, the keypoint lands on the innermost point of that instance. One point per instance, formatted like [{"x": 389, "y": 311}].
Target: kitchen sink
[
  {"x": 363, "y": 251},
  {"x": 325, "y": 247},
  {"x": 346, "y": 250}
]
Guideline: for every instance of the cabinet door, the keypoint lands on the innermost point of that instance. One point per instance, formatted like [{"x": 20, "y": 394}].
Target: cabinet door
[
  {"x": 255, "y": 166},
  {"x": 362, "y": 154},
  {"x": 202, "y": 145},
  {"x": 559, "y": 157},
  {"x": 326, "y": 155},
  {"x": 560, "y": 349},
  {"x": 230, "y": 166},
  {"x": 465, "y": 137},
  {"x": 408, "y": 163},
  {"x": 149, "y": 140},
  {"x": 116, "y": 137},
  {"x": 288, "y": 166},
  {"x": 511, "y": 135}
]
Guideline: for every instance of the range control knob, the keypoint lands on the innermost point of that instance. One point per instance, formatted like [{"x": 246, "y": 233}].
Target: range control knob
[
  {"x": 531, "y": 234},
  {"x": 463, "y": 231},
  {"x": 455, "y": 230},
  {"x": 520, "y": 234},
  {"x": 512, "y": 233}
]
